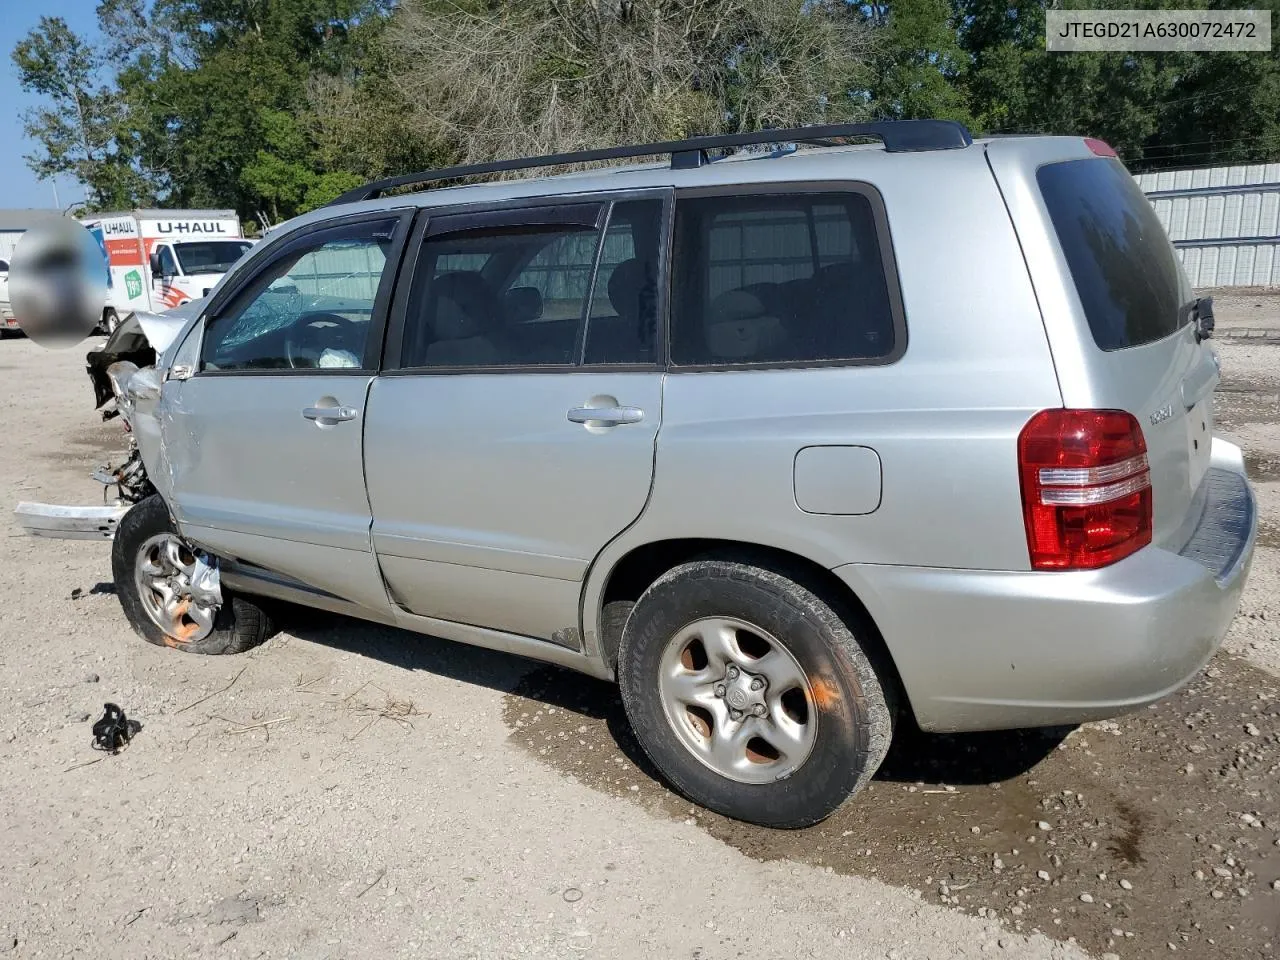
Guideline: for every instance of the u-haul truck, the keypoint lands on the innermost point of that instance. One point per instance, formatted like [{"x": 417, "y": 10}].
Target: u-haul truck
[{"x": 159, "y": 259}]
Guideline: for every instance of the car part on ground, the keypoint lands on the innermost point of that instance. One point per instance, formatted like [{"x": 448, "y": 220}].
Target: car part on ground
[{"x": 113, "y": 731}]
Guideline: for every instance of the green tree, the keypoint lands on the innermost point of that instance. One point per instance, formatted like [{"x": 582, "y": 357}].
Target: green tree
[
  {"x": 1156, "y": 109},
  {"x": 1014, "y": 85},
  {"x": 269, "y": 106},
  {"x": 1223, "y": 109},
  {"x": 917, "y": 60},
  {"x": 79, "y": 132}
]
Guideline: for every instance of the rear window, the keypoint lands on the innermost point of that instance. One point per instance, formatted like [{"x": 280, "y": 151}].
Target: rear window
[
  {"x": 1125, "y": 270},
  {"x": 778, "y": 278}
]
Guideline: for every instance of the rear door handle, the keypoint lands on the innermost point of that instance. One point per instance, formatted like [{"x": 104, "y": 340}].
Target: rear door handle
[
  {"x": 606, "y": 416},
  {"x": 330, "y": 414}
]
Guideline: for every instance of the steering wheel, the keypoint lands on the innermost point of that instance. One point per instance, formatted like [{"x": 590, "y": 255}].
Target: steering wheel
[{"x": 307, "y": 339}]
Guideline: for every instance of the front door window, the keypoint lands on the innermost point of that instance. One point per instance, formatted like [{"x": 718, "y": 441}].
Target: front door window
[{"x": 311, "y": 308}]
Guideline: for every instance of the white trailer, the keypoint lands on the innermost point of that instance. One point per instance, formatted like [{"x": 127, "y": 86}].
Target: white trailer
[{"x": 159, "y": 259}]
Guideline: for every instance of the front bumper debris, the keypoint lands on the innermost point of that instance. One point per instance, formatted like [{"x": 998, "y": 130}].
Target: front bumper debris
[{"x": 59, "y": 522}]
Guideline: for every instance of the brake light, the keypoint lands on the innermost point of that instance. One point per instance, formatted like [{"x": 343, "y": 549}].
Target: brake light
[
  {"x": 1100, "y": 148},
  {"x": 1086, "y": 488}
]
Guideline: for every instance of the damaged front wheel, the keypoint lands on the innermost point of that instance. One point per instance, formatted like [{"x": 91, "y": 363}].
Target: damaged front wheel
[{"x": 170, "y": 592}]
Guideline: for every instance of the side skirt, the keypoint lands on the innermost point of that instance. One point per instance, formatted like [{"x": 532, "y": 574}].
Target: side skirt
[{"x": 257, "y": 581}]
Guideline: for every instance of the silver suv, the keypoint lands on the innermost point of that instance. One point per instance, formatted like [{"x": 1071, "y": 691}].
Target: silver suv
[{"x": 793, "y": 443}]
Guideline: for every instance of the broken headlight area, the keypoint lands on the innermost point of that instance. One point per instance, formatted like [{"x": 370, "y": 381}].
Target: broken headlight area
[{"x": 128, "y": 344}]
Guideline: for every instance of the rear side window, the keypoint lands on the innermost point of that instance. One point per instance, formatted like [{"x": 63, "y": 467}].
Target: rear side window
[
  {"x": 1124, "y": 268},
  {"x": 778, "y": 278}
]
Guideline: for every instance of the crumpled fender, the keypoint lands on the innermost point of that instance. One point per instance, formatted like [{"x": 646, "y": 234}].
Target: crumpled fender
[{"x": 149, "y": 396}]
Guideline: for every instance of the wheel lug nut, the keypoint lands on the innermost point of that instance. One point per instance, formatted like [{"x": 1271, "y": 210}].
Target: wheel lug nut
[
  {"x": 735, "y": 714},
  {"x": 758, "y": 709},
  {"x": 719, "y": 689},
  {"x": 733, "y": 673},
  {"x": 757, "y": 684}
]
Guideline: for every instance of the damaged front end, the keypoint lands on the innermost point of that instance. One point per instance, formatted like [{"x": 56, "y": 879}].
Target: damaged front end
[{"x": 126, "y": 384}]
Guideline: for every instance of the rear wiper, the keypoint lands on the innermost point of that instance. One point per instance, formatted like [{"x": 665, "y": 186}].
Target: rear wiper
[
  {"x": 1200, "y": 311},
  {"x": 1204, "y": 319}
]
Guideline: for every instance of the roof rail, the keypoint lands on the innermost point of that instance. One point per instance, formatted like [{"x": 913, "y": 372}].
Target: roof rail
[{"x": 898, "y": 136}]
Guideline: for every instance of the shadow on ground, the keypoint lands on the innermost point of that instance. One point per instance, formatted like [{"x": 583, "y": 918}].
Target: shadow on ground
[
  {"x": 1160, "y": 828},
  {"x": 956, "y": 759}
]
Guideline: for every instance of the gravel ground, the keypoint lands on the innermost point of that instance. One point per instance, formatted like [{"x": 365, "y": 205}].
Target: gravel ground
[{"x": 349, "y": 790}]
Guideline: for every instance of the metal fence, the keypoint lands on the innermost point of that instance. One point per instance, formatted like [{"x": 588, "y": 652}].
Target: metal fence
[{"x": 1224, "y": 222}]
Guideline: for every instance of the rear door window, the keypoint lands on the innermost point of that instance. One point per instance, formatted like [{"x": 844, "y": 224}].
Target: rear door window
[
  {"x": 537, "y": 287},
  {"x": 501, "y": 297},
  {"x": 1126, "y": 272},
  {"x": 779, "y": 278},
  {"x": 623, "y": 326}
]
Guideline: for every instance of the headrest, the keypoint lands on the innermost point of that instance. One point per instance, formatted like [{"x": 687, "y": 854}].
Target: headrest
[
  {"x": 626, "y": 284},
  {"x": 465, "y": 306},
  {"x": 738, "y": 327},
  {"x": 523, "y": 304}
]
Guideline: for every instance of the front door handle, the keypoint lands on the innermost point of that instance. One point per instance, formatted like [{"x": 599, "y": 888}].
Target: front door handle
[
  {"x": 606, "y": 416},
  {"x": 325, "y": 415}
]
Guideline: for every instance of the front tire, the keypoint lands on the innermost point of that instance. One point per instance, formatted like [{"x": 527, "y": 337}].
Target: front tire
[
  {"x": 751, "y": 695},
  {"x": 110, "y": 321},
  {"x": 152, "y": 566}
]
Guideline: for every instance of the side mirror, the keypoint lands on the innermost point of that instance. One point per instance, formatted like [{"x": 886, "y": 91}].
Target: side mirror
[{"x": 154, "y": 263}]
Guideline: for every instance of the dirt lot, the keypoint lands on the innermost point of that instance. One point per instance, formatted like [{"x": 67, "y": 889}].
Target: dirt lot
[{"x": 353, "y": 791}]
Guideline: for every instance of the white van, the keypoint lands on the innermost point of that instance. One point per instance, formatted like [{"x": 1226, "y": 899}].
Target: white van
[{"x": 158, "y": 259}]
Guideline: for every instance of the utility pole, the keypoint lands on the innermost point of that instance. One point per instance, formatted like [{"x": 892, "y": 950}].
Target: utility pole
[{"x": 55, "y": 194}]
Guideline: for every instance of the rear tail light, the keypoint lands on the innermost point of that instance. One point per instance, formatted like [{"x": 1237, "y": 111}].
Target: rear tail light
[{"x": 1086, "y": 488}]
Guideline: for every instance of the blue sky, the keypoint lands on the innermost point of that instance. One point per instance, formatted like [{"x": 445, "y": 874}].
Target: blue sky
[{"x": 18, "y": 185}]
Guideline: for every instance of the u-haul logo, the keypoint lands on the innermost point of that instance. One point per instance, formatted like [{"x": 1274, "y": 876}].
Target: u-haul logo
[
  {"x": 117, "y": 228},
  {"x": 192, "y": 227}
]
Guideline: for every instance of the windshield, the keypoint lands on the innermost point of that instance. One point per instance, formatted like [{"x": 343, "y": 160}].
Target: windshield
[{"x": 209, "y": 256}]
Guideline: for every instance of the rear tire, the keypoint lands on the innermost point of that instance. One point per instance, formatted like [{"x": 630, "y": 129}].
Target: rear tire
[
  {"x": 751, "y": 695},
  {"x": 147, "y": 561},
  {"x": 110, "y": 321}
]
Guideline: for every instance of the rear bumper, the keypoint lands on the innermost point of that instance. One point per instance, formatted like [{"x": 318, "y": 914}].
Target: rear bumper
[{"x": 987, "y": 650}]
